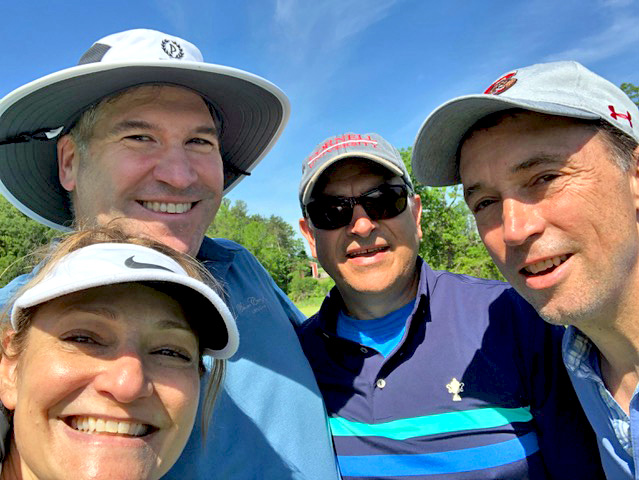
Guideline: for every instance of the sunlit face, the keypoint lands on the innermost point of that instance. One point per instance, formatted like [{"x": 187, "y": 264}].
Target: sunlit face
[
  {"x": 154, "y": 160},
  {"x": 367, "y": 256},
  {"x": 557, "y": 215},
  {"x": 107, "y": 386}
]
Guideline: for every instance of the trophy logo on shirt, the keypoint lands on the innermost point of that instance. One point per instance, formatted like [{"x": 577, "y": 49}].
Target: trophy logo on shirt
[{"x": 455, "y": 387}]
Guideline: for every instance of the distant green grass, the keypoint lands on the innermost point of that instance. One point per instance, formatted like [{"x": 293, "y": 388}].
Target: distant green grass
[{"x": 309, "y": 306}]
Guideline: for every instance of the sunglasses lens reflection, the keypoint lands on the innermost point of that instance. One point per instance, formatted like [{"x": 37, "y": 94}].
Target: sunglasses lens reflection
[{"x": 383, "y": 202}]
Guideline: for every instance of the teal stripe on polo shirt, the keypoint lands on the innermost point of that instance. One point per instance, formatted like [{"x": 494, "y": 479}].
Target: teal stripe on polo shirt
[
  {"x": 432, "y": 424},
  {"x": 456, "y": 461}
]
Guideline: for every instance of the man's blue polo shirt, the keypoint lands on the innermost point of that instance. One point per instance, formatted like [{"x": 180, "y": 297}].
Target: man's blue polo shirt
[{"x": 476, "y": 389}]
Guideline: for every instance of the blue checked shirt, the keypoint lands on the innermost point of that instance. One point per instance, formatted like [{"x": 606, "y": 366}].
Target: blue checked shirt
[{"x": 614, "y": 428}]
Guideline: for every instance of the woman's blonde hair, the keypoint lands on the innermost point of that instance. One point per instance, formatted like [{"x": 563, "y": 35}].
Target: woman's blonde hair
[{"x": 48, "y": 256}]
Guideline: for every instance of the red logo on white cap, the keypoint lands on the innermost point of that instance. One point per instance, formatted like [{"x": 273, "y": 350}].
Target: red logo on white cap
[
  {"x": 343, "y": 141},
  {"x": 502, "y": 84},
  {"x": 617, "y": 115}
]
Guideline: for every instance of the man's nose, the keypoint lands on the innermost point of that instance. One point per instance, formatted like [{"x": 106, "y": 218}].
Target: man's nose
[
  {"x": 520, "y": 221},
  {"x": 125, "y": 379},
  {"x": 175, "y": 168},
  {"x": 361, "y": 224}
]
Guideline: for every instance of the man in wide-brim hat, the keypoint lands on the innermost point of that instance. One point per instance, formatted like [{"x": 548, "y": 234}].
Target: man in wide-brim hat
[{"x": 144, "y": 133}]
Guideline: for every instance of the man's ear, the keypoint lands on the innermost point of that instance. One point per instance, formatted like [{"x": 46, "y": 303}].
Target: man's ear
[
  {"x": 417, "y": 214},
  {"x": 308, "y": 234},
  {"x": 8, "y": 373},
  {"x": 67, "y": 162}
]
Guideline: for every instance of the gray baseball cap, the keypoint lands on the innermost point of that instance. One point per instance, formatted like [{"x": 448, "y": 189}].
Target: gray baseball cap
[
  {"x": 566, "y": 89},
  {"x": 369, "y": 146},
  {"x": 253, "y": 113}
]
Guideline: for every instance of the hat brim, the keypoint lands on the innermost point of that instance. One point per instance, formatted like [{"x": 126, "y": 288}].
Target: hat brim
[
  {"x": 254, "y": 113},
  {"x": 434, "y": 157}
]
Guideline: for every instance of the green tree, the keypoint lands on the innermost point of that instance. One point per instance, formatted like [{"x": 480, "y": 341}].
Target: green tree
[
  {"x": 449, "y": 236},
  {"x": 19, "y": 236},
  {"x": 632, "y": 91},
  {"x": 271, "y": 239}
]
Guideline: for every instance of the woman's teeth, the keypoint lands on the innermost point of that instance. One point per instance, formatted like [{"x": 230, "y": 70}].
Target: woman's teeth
[{"x": 99, "y": 425}]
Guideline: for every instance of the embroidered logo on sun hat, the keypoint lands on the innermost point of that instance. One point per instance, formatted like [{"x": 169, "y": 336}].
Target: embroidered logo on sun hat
[{"x": 172, "y": 48}]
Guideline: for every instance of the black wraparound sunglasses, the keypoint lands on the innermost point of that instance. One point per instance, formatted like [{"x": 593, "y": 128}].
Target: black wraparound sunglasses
[{"x": 386, "y": 201}]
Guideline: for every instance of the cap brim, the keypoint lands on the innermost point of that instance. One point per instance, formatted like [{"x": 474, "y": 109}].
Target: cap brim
[
  {"x": 254, "y": 113},
  {"x": 435, "y": 149}
]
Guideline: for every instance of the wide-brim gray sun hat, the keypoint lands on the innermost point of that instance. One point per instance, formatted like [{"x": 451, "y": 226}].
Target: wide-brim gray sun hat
[
  {"x": 253, "y": 113},
  {"x": 104, "y": 264},
  {"x": 566, "y": 89}
]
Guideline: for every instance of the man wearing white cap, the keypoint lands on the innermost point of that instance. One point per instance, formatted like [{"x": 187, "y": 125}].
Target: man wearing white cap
[
  {"x": 548, "y": 160},
  {"x": 425, "y": 374},
  {"x": 145, "y": 134}
]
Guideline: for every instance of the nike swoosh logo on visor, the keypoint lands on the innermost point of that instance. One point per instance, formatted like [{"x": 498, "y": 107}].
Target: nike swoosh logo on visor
[{"x": 129, "y": 262}]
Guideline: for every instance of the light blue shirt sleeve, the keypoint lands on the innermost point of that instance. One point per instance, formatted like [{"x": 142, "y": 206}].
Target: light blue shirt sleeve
[
  {"x": 269, "y": 421},
  {"x": 6, "y": 296}
]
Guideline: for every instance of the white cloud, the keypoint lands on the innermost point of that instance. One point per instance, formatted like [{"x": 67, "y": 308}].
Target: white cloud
[
  {"x": 619, "y": 37},
  {"x": 305, "y": 28}
]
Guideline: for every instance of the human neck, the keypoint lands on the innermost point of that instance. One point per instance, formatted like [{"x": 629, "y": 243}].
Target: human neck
[
  {"x": 367, "y": 306},
  {"x": 617, "y": 339}
]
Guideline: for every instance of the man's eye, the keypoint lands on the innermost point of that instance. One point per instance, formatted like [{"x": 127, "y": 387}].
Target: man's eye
[
  {"x": 200, "y": 141},
  {"x": 139, "y": 138},
  {"x": 546, "y": 178},
  {"x": 482, "y": 204}
]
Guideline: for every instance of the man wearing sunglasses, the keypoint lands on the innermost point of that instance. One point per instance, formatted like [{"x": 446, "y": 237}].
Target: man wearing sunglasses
[{"x": 425, "y": 374}]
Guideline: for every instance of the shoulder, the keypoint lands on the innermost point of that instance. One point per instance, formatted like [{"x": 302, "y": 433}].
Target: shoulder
[
  {"x": 478, "y": 300},
  {"x": 10, "y": 289},
  {"x": 448, "y": 284}
]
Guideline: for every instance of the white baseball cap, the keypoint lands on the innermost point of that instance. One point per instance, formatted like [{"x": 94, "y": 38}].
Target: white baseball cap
[
  {"x": 103, "y": 264},
  {"x": 567, "y": 89}
]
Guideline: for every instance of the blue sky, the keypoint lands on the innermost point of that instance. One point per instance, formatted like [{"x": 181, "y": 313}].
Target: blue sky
[{"x": 347, "y": 65}]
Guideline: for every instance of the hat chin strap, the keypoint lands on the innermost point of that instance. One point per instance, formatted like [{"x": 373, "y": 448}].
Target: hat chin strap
[{"x": 41, "y": 135}]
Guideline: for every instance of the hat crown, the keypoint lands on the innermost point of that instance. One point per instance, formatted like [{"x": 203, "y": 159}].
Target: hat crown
[
  {"x": 141, "y": 45},
  {"x": 569, "y": 84},
  {"x": 369, "y": 146}
]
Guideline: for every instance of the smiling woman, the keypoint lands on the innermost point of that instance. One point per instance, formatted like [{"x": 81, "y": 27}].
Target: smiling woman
[{"x": 102, "y": 358}]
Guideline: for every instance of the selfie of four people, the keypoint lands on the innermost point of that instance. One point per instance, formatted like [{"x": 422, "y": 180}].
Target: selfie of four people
[{"x": 138, "y": 348}]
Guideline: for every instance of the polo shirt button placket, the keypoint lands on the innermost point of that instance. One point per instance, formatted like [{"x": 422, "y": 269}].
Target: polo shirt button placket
[{"x": 381, "y": 383}]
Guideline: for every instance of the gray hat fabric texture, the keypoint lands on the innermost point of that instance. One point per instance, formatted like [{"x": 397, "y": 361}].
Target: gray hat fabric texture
[
  {"x": 565, "y": 89},
  {"x": 369, "y": 146},
  {"x": 253, "y": 113}
]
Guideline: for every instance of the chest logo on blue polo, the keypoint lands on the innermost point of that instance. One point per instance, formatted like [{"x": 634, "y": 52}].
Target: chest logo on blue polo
[{"x": 455, "y": 387}]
